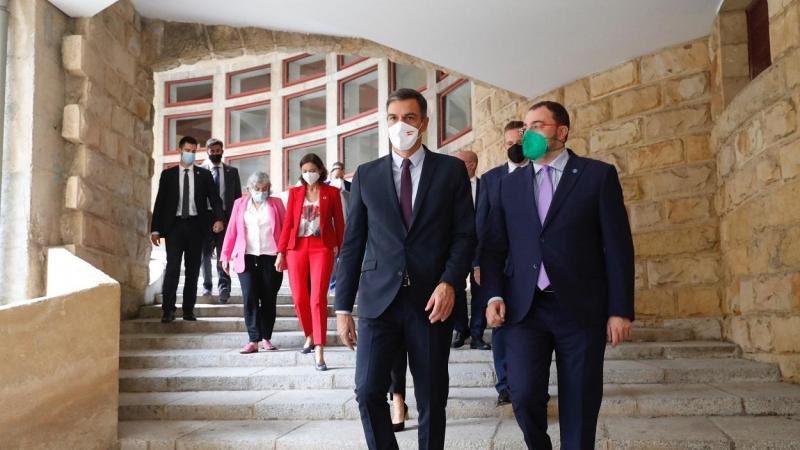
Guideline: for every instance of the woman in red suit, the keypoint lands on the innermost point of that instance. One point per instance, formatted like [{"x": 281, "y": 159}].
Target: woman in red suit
[{"x": 311, "y": 237}]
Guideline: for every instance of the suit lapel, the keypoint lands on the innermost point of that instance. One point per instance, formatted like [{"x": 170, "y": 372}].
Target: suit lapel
[
  {"x": 572, "y": 171},
  {"x": 428, "y": 167}
]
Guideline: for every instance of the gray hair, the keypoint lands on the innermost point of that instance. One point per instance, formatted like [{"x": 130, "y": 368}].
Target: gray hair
[{"x": 259, "y": 178}]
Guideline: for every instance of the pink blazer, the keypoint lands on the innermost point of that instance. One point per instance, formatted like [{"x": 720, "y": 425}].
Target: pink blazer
[{"x": 235, "y": 242}]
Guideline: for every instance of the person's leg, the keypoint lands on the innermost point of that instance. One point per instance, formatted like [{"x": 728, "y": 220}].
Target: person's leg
[
  {"x": 208, "y": 249},
  {"x": 428, "y": 348},
  {"x": 460, "y": 317},
  {"x": 297, "y": 263},
  {"x": 499, "y": 356},
  {"x": 529, "y": 346},
  {"x": 397, "y": 390},
  {"x": 224, "y": 283},
  {"x": 193, "y": 253},
  {"x": 477, "y": 321},
  {"x": 378, "y": 341},
  {"x": 172, "y": 273},
  {"x": 250, "y": 299},
  {"x": 321, "y": 265},
  {"x": 270, "y": 284}
]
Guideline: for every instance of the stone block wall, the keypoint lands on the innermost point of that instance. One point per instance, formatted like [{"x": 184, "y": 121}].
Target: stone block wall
[
  {"x": 107, "y": 122},
  {"x": 757, "y": 143}
]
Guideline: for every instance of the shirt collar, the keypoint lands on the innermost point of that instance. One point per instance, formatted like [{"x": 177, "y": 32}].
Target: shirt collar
[
  {"x": 512, "y": 166},
  {"x": 558, "y": 164},
  {"x": 416, "y": 158}
]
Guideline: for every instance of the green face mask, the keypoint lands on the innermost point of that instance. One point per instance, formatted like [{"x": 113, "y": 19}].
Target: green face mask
[{"x": 534, "y": 145}]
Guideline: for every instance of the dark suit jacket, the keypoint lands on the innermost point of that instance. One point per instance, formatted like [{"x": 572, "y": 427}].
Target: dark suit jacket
[
  {"x": 233, "y": 188},
  {"x": 488, "y": 196},
  {"x": 331, "y": 217},
  {"x": 168, "y": 195},
  {"x": 585, "y": 243},
  {"x": 437, "y": 247}
]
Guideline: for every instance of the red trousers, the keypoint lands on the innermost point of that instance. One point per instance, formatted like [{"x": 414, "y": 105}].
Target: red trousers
[{"x": 311, "y": 258}]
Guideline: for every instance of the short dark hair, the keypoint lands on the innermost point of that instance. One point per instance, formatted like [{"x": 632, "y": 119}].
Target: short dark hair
[
  {"x": 314, "y": 159},
  {"x": 337, "y": 165},
  {"x": 409, "y": 94},
  {"x": 514, "y": 125},
  {"x": 560, "y": 114},
  {"x": 187, "y": 140}
]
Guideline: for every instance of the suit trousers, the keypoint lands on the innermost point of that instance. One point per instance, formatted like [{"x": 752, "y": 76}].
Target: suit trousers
[
  {"x": 185, "y": 241},
  {"x": 260, "y": 284},
  {"x": 579, "y": 350},
  {"x": 475, "y": 325},
  {"x": 311, "y": 261},
  {"x": 213, "y": 243},
  {"x": 403, "y": 325}
]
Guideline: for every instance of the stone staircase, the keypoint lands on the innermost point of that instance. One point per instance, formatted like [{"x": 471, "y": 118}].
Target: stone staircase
[{"x": 184, "y": 385}]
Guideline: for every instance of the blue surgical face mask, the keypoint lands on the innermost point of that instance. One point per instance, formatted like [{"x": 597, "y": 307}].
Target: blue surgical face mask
[
  {"x": 258, "y": 196},
  {"x": 187, "y": 158}
]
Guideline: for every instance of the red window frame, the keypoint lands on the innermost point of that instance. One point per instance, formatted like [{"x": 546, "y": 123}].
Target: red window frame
[
  {"x": 167, "y": 119},
  {"x": 287, "y": 150},
  {"x": 758, "y": 46},
  {"x": 288, "y": 61},
  {"x": 230, "y": 75},
  {"x": 286, "y": 99},
  {"x": 346, "y": 135},
  {"x": 440, "y": 101},
  {"x": 168, "y": 86},
  {"x": 228, "y": 111},
  {"x": 340, "y": 107},
  {"x": 340, "y": 65},
  {"x": 441, "y": 75},
  {"x": 393, "y": 79}
]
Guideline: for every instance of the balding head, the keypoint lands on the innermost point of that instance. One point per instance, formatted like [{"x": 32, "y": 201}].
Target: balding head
[{"x": 470, "y": 159}]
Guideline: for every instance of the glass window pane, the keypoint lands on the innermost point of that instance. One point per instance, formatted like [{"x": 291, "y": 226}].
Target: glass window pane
[
  {"x": 250, "y": 124},
  {"x": 254, "y": 80},
  {"x": 307, "y": 67},
  {"x": 346, "y": 60},
  {"x": 306, "y": 111},
  {"x": 293, "y": 160},
  {"x": 411, "y": 77},
  {"x": 190, "y": 91},
  {"x": 196, "y": 127},
  {"x": 250, "y": 165},
  {"x": 360, "y": 148},
  {"x": 457, "y": 110},
  {"x": 360, "y": 95}
]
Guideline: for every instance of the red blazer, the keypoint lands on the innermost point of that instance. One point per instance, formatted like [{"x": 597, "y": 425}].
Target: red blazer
[{"x": 331, "y": 217}]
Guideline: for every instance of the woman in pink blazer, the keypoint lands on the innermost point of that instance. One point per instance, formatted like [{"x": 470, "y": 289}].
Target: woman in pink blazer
[{"x": 250, "y": 247}]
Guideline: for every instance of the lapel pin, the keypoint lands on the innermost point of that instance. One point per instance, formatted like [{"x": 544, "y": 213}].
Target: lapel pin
[{"x": 574, "y": 170}]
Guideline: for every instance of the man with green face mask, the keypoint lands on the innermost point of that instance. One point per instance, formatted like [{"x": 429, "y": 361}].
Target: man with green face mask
[{"x": 565, "y": 283}]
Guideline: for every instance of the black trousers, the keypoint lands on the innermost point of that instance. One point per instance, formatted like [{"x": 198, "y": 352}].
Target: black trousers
[
  {"x": 579, "y": 361},
  {"x": 213, "y": 243},
  {"x": 475, "y": 325},
  {"x": 404, "y": 324},
  {"x": 398, "y": 374},
  {"x": 260, "y": 284},
  {"x": 184, "y": 242}
]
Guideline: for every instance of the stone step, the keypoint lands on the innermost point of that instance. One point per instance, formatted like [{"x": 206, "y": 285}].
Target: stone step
[
  {"x": 613, "y": 433},
  {"x": 209, "y": 310},
  {"x": 340, "y": 356},
  {"x": 173, "y": 341},
  {"x": 235, "y": 299},
  {"x": 207, "y": 325},
  {"x": 679, "y": 371},
  {"x": 626, "y": 400}
]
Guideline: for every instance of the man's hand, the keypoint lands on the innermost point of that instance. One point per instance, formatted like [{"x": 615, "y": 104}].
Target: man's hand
[
  {"x": 346, "y": 327},
  {"x": 225, "y": 266},
  {"x": 155, "y": 238},
  {"x": 496, "y": 313},
  {"x": 441, "y": 303},
  {"x": 476, "y": 273},
  {"x": 618, "y": 330},
  {"x": 218, "y": 227}
]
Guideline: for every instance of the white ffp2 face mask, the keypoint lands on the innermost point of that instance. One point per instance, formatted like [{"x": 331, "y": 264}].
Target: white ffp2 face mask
[
  {"x": 403, "y": 136},
  {"x": 311, "y": 177}
]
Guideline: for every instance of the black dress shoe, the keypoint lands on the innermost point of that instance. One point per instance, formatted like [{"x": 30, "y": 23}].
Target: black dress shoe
[
  {"x": 190, "y": 317},
  {"x": 224, "y": 297},
  {"x": 307, "y": 350},
  {"x": 167, "y": 317},
  {"x": 458, "y": 340},
  {"x": 503, "y": 399},
  {"x": 397, "y": 427},
  {"x": 480, "y": 344}
]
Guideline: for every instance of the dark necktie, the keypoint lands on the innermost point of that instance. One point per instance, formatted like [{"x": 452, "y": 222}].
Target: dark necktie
[
  {"x": 185, "y": 199},
  {"x": 216, "y": 175},
  {"x": 405, "y": 192}
]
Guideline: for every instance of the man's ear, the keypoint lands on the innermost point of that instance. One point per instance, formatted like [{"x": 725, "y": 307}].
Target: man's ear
[
  {"x": 424, "y": 125},
  {"x": 563, "y": 132}
]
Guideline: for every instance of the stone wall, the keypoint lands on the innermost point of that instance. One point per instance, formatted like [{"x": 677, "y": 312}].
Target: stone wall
[
  {"x": 108, "y": 123},
  {"x": 757, "y": 144}
]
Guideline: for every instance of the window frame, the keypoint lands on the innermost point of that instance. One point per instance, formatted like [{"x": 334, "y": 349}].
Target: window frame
[
  {"x": 441, "y": 75},
  {"x": 347, "y": 134},
  {"x": 287, "y": 98},
  {"x": 291, "y": 148},
  {"x": 287, "y": 61},
  {"x": 250, "y": 155},
  {"x": 440, "y": 111},
  {"x": 393, "y": 79},
  {"x": 230, "y": 75},
  {"x": 231, "y": 109},
  {"x": 167, "y": 118},
  {"x": 340, "y": 119},
  {"x": 168, "y": 87},
  {"x": 762, "y": 46},
  {"x": 340, "y": 65}
]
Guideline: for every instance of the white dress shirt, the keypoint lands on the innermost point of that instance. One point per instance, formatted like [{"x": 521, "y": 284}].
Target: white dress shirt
[
  {"x": 259, "y": 228},
  {"x": 417, "y": 160},
  {"x": 514, "y": 166},
  {"x": 473, "y": 184},
  {"x": 210, "y": 166},
  {"x": 192, "y": 206}
]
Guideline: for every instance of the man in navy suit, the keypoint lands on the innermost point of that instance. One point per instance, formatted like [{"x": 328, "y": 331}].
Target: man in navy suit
[
  {"x": 564, "y": 285},
  {"x": 412, "y": 213},
  {"x": 487, "y": 201}
]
